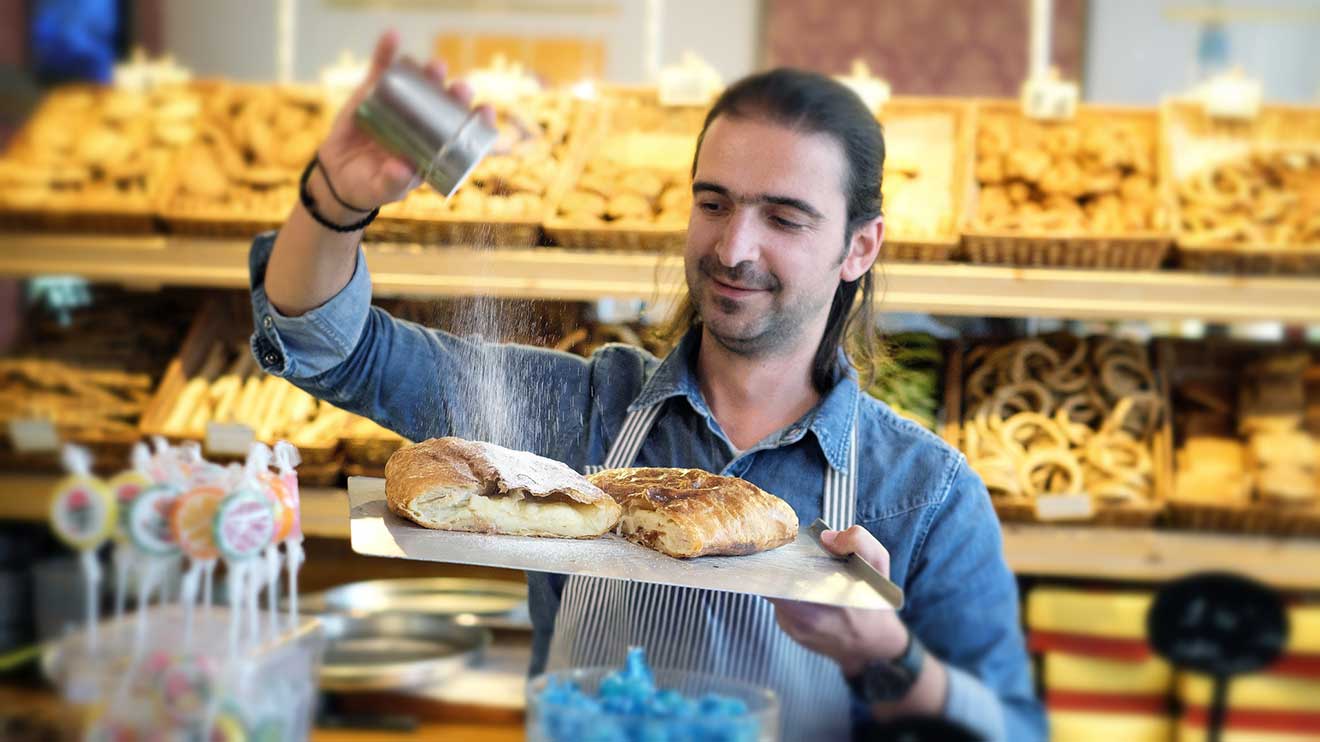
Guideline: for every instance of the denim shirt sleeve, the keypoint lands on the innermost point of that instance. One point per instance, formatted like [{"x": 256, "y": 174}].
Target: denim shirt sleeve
[
  {"x": 420, "y": 382},
  {"x": 966, "y": 611}
]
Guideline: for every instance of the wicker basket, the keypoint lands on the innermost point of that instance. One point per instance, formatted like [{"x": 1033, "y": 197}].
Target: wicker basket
[
  {"x": 571, "y": 234},
  {"x": 1132, "y": 251},
  {"x": 75, "y": 213},
  {"x": 1118, "y": 515},
  {"x": 1220, "y": 360},
  {"x": 399, "y": 227},
  {"x": 373, "y": 452},
  {"x": 1252, "y": 518},
  {"x": 1190, "y": 134},
  {"x": 615, "y": 115},
  {"x": 943, "y": 247}
]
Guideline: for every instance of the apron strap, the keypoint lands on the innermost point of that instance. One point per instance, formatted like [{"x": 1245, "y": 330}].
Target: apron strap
[{"x": 623, "y": 451}]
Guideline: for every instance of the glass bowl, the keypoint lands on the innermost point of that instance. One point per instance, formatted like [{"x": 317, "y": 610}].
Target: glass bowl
[{"x": 550, "y": 722}]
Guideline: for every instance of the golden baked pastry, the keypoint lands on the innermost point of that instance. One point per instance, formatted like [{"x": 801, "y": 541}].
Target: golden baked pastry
[
  {"x": 458, "y": 485},
  {"x": 690, "y": 513},
  {"x": 1088, "y": 176},
  {"x": 1268, "y": 197}
]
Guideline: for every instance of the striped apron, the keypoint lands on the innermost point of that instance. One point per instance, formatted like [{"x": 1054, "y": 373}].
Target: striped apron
[{"x": 726, "y": 634}]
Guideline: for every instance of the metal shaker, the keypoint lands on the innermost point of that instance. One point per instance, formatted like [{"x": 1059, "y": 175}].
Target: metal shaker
[{"x": 407, "y": 114}]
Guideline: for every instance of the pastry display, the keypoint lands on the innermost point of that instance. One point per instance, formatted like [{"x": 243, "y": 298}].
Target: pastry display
[
  {"x": 921, "y": 174},
  {"x": 515, "y": 181},
  {"x": 638, "y": 171},
  {"x": 252, "y": 144},
  {"x": 91, "y": 372},
  {"x": 1281, "y": 454},
  {"x": 1267, "y": 197},
  {"x": 910, "y": 382},
  {"x": 97, "y": 149},
  {"x": 229, "y": 387},
  {"x": 1090, "y": 176},
  {"x": 690, "y": 513},
  {"x": 1063, "y": 415},
  {"x": 459, "y": 485}
]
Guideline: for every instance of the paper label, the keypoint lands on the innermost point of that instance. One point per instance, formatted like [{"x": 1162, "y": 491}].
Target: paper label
[
  {"x": 1064, "y": 507},
  {"x": 34, "y": 436},
  {"x": 229, "y": 439}
]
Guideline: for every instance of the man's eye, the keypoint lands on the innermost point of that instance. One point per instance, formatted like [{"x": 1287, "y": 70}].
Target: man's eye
[
  {"x": 788, "y": 224},
  {"x": 710, "y": 207}
]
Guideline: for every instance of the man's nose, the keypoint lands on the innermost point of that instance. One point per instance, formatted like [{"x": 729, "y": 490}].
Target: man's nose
[{"x": 739, "y": 242}]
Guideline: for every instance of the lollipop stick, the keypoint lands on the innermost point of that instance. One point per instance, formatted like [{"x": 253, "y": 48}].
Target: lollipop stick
[
  {"x": 123, "y": 559},
  {"x": 91, "y": 570},
  {"x": 208, "y": 580},
  {"x": 272, "y": 589},
  {"x": 237, "y": 573},
  {"x": 188, "y": 596}
]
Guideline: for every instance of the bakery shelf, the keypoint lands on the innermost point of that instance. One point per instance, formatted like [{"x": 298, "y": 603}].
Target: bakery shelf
[
  {"x": 1141, "y": 555},
  {"x": 1157, "y": 555},
  {"x": 554, "y": 273}
]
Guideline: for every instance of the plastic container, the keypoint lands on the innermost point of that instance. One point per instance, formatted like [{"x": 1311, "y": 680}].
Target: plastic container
[
  {"x": 168, "y": 692},
  {"x": 759, "y": 724}
]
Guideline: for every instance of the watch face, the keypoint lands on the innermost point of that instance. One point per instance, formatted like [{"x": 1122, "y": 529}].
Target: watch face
[{"x": 884, "y": 681}]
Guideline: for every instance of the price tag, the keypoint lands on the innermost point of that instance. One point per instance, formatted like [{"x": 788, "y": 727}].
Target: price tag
[
  {"x": 34, "y": 436},
  {"x": 229, "y": 439},
  {"x": 1049, "y": 99},
  {"x": 1065, "y": 507},
  {"x": 1232, "y": 97},
  {"x": 1218, "y": 624}
]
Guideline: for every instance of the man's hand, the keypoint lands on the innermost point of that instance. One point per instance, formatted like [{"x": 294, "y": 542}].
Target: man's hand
[
  {"x": 366, "y": 174},
  {"x": 852, "y": 637}
]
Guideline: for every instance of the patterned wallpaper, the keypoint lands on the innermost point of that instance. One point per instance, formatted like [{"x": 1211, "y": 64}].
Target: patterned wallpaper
[{"x": 922, "y": 47}]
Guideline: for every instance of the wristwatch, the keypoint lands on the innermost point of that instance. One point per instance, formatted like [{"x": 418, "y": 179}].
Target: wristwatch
[{"x": 890, "y": 680}]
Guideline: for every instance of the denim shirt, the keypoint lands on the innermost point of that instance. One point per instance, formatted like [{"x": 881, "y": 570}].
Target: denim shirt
[{"x": 915, "y": 493}]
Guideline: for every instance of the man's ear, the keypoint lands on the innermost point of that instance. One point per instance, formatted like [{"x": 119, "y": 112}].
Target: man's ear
[{"x": 863, "y": 249}]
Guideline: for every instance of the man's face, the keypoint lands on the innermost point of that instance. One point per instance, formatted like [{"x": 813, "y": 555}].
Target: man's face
[{"x": 767, "y": 234}]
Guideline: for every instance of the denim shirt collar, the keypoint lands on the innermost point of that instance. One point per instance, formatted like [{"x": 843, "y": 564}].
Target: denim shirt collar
[{"x": 831, "y": 420}]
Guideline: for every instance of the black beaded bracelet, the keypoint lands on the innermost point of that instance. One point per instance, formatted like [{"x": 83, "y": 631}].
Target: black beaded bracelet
[
  {"x": 309, "y": 203},
  {"x": 330, "y": 186}
]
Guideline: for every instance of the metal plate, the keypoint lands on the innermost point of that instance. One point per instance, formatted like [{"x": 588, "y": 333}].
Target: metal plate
[
  {"x": 396, "y": 651},
  {"x": 800, "y": 570},
  {"x": 495, "y": 604}
]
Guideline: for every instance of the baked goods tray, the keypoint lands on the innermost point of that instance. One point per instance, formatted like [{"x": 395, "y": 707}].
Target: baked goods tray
[{"x": 797, "y": 571}]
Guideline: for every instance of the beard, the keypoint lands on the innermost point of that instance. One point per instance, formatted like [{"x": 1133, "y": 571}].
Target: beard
[{"x": 752, "y": 326}]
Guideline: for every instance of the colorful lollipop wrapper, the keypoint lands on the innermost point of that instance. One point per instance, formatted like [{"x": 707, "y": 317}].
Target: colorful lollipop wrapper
[
  {"x": 148, "y": 521},
  {"x": 82, "y": 511},
  {"x": 192, "y": 521},
  {"x": 282, "y": 503},
  {"x": 125, "y": 487},
  {"x": 244, "y": 525}
]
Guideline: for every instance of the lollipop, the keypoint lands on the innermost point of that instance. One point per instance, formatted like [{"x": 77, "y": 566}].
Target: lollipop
[
  {"x": 82, "y": 514},
  {"x": 125, "y": 487},
  {"x": 286, "y": 458},
  {"x": 243, "y": 527}
]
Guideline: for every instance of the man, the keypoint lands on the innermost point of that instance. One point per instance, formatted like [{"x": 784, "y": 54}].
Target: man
[{"x": 784, "y": 231}]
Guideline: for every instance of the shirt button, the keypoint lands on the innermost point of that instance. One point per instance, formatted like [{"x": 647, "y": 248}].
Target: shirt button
[
  {"x": 272, "y": 358},
  {"x": 267, "y": 322}
]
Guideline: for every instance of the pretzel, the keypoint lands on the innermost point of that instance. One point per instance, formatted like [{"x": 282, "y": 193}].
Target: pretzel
[
  {"x": 1044, "y": 405},
  {"x": 1039, "y": 470}
]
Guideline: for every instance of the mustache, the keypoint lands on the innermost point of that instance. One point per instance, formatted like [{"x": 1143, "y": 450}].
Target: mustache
[{"x": 743, "y": 275}]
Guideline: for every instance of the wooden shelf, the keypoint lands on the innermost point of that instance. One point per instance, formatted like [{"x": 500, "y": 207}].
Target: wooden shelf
[
  {"x": 1037, "y": 550},
  {"x": 553, "y": 273}
]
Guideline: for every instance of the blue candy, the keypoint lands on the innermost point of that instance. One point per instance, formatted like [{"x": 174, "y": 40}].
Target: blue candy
[{"x": 628, "y": 707}]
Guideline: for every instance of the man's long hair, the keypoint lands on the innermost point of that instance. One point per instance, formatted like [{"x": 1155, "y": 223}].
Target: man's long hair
[{"x": 815, "y": 104}]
